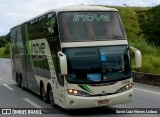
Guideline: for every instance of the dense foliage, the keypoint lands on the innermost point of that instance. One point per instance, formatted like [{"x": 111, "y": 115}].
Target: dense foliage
[
  {"x": 150, "y": 25},
  {"x": 4, "y": 40},
  {"x": 143, "y": 33}
]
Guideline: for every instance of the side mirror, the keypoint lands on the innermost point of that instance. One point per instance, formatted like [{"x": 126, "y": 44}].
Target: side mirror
[
  {"x": 63, "y": 63},
  {"x": 138, "y": 56}
]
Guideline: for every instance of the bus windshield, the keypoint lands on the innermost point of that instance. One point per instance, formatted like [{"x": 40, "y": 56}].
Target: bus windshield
[
  {"x": 98, "y": 64},
  {"x": 88, "y": 26}
]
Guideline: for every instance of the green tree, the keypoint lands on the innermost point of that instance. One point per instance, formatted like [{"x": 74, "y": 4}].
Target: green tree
[
  {"x": 2, "y": 41},
  {"x": 7, "y": 37},
  {"x": 151, "y": 25}
]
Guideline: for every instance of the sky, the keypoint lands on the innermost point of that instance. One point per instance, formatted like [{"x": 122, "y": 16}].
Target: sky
[{"x": 13, "y": 12}]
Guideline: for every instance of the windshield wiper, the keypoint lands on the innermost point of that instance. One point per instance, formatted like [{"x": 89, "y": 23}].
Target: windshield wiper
[
  {"x": 127, "y": 76},
  {"x": 119, "y": 78},
  {"x": 91, "y": 81}
]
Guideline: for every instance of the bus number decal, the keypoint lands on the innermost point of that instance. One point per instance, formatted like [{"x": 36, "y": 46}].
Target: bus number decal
[{"x": 37, "y": 48}]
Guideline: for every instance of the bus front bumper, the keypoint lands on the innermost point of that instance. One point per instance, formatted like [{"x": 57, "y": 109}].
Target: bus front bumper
[{"x": 75, "y": 102}]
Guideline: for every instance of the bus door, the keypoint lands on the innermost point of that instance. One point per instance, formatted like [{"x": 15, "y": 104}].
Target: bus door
[
  {"x": 61, "y": 90},
  {"x": 58, "y": 90}
]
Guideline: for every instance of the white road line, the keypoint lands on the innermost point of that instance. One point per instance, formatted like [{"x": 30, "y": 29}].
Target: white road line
[
  {"x": 7, "y": 86},
  {"x": 0, "y": 79},
  {"x": 32, "y": 103},
  {"x": 147, "y": 91}
]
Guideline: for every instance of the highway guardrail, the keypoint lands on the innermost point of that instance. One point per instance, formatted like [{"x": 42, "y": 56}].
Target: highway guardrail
[{"x": 146, "y": 78}]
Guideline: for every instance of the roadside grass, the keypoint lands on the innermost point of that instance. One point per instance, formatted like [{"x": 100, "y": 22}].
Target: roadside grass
[
  {"x": 151, "y": 64},
  {"x": 150, "y": 56},
  {"x": 5, "y": 51},
  {"x": 145, "y": 47}
]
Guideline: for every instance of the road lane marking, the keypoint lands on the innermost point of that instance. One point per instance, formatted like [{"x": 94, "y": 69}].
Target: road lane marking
[
  {"x": 7, "y": 86},
  {"x": 32, "y": 103},
  {"x": 0, "y": 79},
  {"x": 147, "y": 91}
]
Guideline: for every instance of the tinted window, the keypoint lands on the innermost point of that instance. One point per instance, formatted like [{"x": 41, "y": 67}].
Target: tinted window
[
  {"x": 43, "y": 27},
  {"x": 88, "y": 26},
  {"x": 97, "y": 63}
]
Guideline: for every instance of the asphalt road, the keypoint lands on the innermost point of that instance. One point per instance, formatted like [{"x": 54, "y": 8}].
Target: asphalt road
[{"x": 11, "y": 96}]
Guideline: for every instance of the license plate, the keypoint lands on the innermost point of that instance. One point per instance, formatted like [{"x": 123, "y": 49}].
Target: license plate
[{"x": 103, "y": 102}]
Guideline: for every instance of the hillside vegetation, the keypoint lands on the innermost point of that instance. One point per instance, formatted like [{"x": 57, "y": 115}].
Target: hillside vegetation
[
  {"x": 5, "y": 51},
  {"x": 137, "y": 22},
  {"x": 142, "y": 31},
  {"x": 4, "y": 46}
]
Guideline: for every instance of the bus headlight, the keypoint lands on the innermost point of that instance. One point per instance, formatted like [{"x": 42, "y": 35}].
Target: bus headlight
[
  {"x": 124, "y": 88},
  {"x": 77, "y": 92}
]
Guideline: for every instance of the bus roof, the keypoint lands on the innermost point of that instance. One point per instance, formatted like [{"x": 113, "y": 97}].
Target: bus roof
[
  {"x": 73, "y": 8},
  {"x": 85, "y": 8}
]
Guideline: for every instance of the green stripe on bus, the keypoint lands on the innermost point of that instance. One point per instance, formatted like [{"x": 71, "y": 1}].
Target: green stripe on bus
[
  {"x": 85, "y": 87},
  {"x": 27, "y": 44},
  {"x": 27, "y": 38},
  {"x": 81, "y": 86}
]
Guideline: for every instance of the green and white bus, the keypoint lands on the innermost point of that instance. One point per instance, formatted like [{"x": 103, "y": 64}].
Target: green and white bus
[{"x": 74, "y": 57}]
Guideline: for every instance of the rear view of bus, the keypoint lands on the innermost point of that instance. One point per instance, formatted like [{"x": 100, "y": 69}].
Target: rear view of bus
[{"x": 95, "y": 59}]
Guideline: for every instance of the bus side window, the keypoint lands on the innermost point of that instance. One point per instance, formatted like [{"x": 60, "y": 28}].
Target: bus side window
[
  {"x": 12, "y": 39},
  {"x": 51, "y": 25}
]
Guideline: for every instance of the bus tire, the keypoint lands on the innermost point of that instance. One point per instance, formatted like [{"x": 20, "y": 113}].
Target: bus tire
[
  {"x": 21, "y": 83},
  {"x": 51, "y": 97},
  {"x": 18, "y": 84},
  {"x": 18, "y": 81},
  {"x": 44, "y": 95}
]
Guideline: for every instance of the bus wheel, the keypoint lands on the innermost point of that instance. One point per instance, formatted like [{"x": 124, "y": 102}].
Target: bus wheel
[
  {"x": 51, "y": 98},
  {"x": 18, "y": 84},
  {"x": 21, "y": 83},
  {"x": 18, "y": 81},
  {"x": 44, "y": 95}
]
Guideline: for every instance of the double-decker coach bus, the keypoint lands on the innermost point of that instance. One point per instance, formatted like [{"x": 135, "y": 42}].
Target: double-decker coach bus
[{"x": 74, "y": 57}]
